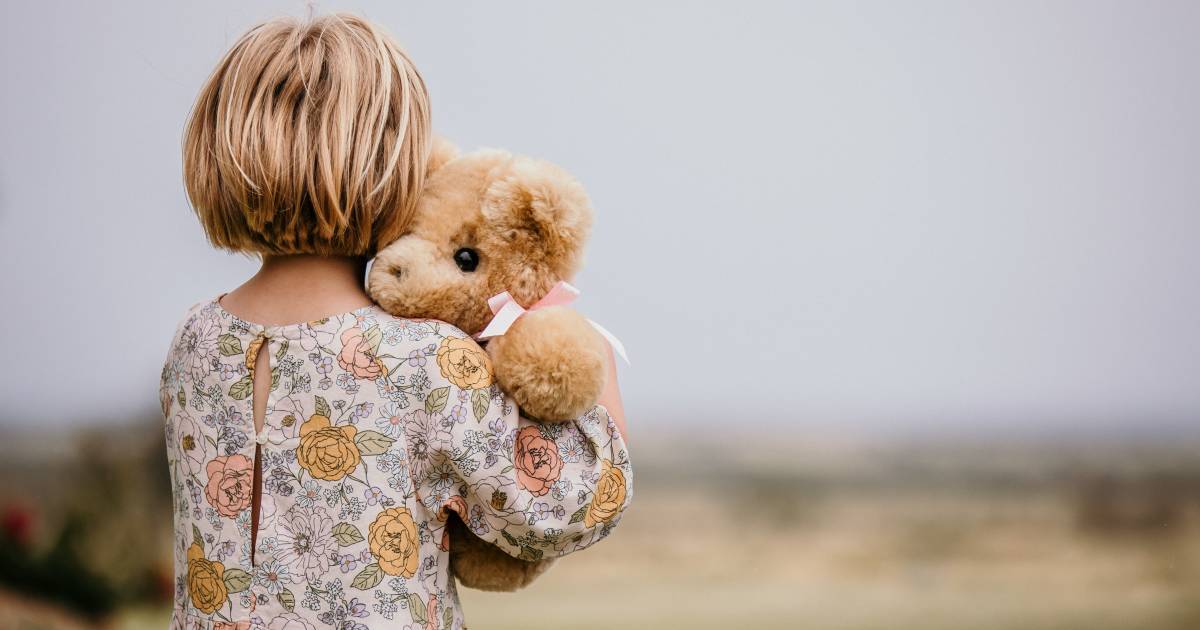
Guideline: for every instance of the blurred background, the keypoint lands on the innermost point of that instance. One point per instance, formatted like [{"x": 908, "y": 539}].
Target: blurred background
[{"x": 911, "y": 292}]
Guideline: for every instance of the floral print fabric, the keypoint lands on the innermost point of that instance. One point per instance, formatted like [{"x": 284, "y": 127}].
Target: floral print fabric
[{"x": 375, "y": 427}]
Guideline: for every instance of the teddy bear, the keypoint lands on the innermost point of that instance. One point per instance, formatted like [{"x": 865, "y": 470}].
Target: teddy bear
[{"x": 490, "y": 222}]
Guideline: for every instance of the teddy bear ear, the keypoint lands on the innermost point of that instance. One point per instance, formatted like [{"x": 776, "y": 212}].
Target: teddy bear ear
[
  {"x": 442, "y": 152},
  {"x": 543, "y": 208}
]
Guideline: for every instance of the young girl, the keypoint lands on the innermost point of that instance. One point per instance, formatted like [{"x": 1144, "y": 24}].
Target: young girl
[{"x": 311, "y": 466}]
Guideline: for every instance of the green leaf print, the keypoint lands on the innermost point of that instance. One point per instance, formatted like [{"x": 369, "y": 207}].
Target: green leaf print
[
  {"x": 436, "y": 400},
  {"x": 241, "y": 389},
  {"x": 287, "y": 600},
  {"x": 283, "y": 346},
  {"x": 416, "y": 608},
  {"x": 373, "y": 337},
  {"x": 480, "y": 400},
  {"x": 229, "y": 345},
  {"x": 347, "y": 534},
  {"x": 529, "y": 554},
  {"x": 196, "y": 537},
  {"x": 447, "y": 618},
  {"x": 579, "y": 514},
  {"x": 236, "y": 580},
  {"x": 368, "y": 578},
  {"x": 372, "y": 442},
  {"x": 322, "y": 407}
]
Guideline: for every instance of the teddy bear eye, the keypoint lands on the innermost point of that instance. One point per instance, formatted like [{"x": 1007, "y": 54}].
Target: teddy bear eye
[{"x": 467, "y": 259}]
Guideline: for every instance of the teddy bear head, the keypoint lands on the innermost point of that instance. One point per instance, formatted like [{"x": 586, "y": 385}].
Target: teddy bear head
[{"x": 486, "y": 222}]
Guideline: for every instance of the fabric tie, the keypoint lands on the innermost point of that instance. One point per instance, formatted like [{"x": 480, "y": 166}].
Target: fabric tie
[{"x": 506, "y": 311}]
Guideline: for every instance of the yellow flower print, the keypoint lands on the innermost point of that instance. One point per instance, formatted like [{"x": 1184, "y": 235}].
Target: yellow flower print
[
  {"x": 252, "y": 353},
  {"x": 609, "y": 496},
  {"x": 205, "y": 581},
  {"x": 325, "y": 451},
  {"x": 464, "y": 363},
  {"x": 392, "y": 537}
]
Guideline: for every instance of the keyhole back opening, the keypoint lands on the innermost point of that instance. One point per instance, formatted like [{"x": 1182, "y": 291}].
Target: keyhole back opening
[{"x": 262, "y": 390}]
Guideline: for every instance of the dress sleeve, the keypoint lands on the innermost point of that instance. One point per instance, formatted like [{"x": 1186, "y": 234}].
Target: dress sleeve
[{"x": 532, "y": 489}]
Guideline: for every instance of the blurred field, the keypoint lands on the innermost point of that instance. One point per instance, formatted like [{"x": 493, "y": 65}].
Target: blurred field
[
  {"x": 843, "y": 536},
  {"x": 822, "y": 533}
]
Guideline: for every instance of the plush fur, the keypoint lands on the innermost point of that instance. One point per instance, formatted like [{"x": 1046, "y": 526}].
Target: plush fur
[
  {"x": 528, "y": 221},
  {"x": 481, "y": 565}
]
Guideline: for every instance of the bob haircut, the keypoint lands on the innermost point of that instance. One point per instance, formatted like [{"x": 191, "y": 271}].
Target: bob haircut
[{"x": 310, "y": 137}]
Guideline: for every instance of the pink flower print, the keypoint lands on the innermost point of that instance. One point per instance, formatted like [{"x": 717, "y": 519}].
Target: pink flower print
[{"x": 230, "y": 483}]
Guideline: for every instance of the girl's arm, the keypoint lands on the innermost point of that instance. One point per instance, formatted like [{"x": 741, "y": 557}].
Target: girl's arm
[
  {"x": 534, "y": 490},
  {"x": 610, "y": 398}
]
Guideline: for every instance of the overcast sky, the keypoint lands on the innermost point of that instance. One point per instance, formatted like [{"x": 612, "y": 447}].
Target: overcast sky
[{"x": 887, "y": 214}]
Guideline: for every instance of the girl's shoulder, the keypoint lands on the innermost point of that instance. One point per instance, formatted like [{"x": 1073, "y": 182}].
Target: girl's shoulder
[
  {"x": 370, "y": 330},
  {"x": 410, "y": 334}
]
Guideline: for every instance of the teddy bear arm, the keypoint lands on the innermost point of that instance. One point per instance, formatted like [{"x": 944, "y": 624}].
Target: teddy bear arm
[{"x": 552, "y": 362}]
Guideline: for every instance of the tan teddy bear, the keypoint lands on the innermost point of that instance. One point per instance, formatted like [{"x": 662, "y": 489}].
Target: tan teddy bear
[{"x": 489, "y": 222}]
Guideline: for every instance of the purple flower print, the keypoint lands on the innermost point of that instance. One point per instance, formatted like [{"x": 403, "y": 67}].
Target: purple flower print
[
  {"x": 228, "y": 371},
  {"x": 416, "y": 358},
  {"x": 477, "y": 522},
  {"x": 543, "y": 511},
  {"x": 324, "y": 363}
]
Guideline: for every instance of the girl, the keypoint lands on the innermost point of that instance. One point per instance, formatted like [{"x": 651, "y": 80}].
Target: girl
[{"x": 312, "y": 469}]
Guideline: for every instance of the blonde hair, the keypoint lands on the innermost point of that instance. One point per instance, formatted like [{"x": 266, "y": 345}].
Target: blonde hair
[{"x": 310, "y": 137}]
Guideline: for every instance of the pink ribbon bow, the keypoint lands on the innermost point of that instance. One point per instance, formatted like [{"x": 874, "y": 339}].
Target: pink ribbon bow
[{"x": 506, "y": 311}]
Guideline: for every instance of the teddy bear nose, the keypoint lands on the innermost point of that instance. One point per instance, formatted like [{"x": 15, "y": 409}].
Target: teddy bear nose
[{"x": 398, "y": 271}]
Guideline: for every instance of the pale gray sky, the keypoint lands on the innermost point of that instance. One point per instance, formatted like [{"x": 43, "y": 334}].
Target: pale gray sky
[{"x": 878, "y": 214}]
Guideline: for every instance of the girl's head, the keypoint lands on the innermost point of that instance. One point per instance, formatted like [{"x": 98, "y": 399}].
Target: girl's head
[{"x": 310, "y": 137}]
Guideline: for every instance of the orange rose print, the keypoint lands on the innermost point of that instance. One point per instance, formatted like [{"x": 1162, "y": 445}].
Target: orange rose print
[
  {"x": 393, "y": 540},
  {"x": 205, "y": 581},
  {"x": 464, "y": 363},
  {"x": 609, "y": 496},
  {"x": 536, "y": 460},
  {"x": 325, "y": 451},
  {"x": 454, "y": 504},
  {"x": 358, "y": 353},
  {"x": 230, "y": 483}
]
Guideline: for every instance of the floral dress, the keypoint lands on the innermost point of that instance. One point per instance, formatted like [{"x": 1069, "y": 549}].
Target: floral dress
[{"x": 375, "y": 427}]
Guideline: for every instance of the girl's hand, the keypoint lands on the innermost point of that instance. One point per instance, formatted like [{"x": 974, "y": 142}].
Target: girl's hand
[{"x": 611, "y": 397}]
